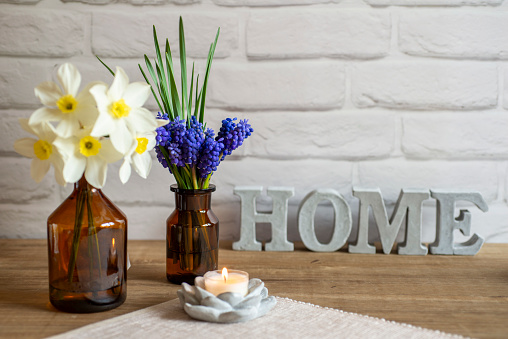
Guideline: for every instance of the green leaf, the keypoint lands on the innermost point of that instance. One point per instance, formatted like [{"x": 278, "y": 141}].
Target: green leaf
[
  {"x": 160, "y": 87},
  {"x": 198, "y": 98},
  {"x": 189, "y": 105},
  {"x": 154, "y": 77},
  {"x": 164, "y": 89},
  {"x": 205, "y": 83},
  {"x": 162, "y": 76},
  {"x": 183, "y": 65},
  {"x": 109, "y": 69},
  {"x": 157, "y": 49},
  {"x": 169, "y": 61},
  {"x": 151, "y": 88},
  {"x": 174, "y": 91}
]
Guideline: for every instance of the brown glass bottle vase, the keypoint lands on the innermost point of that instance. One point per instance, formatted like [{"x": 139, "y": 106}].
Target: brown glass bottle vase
[
  {"x": 87, "y": 246},
  {"x": 192, "y": 236}
]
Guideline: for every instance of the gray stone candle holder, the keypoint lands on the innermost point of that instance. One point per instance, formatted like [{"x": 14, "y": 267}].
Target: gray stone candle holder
[{"x": 226, "y": 307}]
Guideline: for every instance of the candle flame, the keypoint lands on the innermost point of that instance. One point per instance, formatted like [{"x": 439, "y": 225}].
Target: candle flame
[
  {"x": 225, "y": 274},
  {"x": 113, "y": 242}
]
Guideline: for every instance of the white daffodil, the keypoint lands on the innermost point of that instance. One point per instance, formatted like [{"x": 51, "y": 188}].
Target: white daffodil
[
  {"x": 41, "y": 150},
  {"x": 120, "y": 113},
  {"x": 72, "y": 110},
  {"x": 139, "y": 156},
  {"x": 84, "y": 153}
]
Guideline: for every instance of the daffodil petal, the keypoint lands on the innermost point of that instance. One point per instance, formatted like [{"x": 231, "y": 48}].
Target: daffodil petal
[
  {"x": 125, "y": 171},
  {"x": 119, "y": 85},
  {"x": 25, "y": 147},
  {"x": 136, "y": 94},
  {"x": 58, "y": 169},
  {"x": 96, "y": 171},
  {"x": 109, "y": 153},
  {"x": 122, "y": 138},
  {"x": 151, "y": 142},
  {"x": 38, "y": 169},
  {"x": 66, "y": 127},
  {"x": 48, "y": 93},
  {"x": 104, "y": 125},
  {"x": 162, "y": 122},
  {"x": 66, "y": 147},
  {"x": 141, "y": 120},
  {"x": 43, "y": 115},
  {"x": 142, "y": 164},
  {"x": 74, "y": 168},
  {"x": 45, "y": 131},
  {"x": 87, "y": 114},
  {"x": 23, "y": 122},
  {"x": 85, "y": 94},
  {"x": 69, "y": 77},
  {"x": 99, "y": 93}
]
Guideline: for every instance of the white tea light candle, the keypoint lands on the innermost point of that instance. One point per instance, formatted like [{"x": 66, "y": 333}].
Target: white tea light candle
[{"x": 217, "y": 282}]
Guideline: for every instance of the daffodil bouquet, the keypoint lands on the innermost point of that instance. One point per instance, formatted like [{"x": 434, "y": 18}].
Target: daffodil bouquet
[
  {"x": 80, "y": 133},
  {"x": 189, "y": 150}
]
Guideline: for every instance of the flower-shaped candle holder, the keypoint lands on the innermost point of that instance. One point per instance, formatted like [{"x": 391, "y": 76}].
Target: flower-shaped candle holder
[{"x": 226, "y": 307}]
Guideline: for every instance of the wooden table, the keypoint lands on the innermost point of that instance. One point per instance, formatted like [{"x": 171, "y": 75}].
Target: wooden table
[{"x": 463, "y": 295}]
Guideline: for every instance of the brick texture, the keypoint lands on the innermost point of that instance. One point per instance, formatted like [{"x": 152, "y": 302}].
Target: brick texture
[
  {"x": 112, "y": 34},
  {"x": 434, "y": 2},
  {"x": 30, "y": 32},
  {"x": 425, "y": 85},
  {"x": 315, "y": 33},
  {"x": 394, "y": 174},
  {"x": 454, "y": 35},
  {"x": 136, "y": 2},
  {"x": 18, "y": 78},
  {"x": 255, "y": 3},
  {"x": 328, "y": 135},
  {"x": 17, "y": 186},
  {"x": 265, "y": 86},
  {"x": 451, "y": 136}
]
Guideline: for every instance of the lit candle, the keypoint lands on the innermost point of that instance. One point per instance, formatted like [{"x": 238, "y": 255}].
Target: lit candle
[
  {"x": 113, "y": 248},
  {"x": 217, "y": 282}
]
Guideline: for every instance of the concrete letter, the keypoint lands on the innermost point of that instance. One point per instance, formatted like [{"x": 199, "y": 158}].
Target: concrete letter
[
  {"x": 278, "y": 218},
  {"x": 409, "y": 202},
  {"x": 446, "y": 223},
  {"x": 342, "y": 220}
]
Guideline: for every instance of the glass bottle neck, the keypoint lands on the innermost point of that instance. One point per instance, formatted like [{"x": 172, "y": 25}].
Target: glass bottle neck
[
  {"x": 82, "y": 184},
  {"x": 193, "y": 201}
]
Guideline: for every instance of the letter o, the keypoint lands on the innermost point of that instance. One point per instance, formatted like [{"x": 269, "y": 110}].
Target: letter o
[{"x": 342, "y": 220}]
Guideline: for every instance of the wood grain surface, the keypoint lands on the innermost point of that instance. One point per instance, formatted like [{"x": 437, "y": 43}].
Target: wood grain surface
[{"x": 462, "y": 295}]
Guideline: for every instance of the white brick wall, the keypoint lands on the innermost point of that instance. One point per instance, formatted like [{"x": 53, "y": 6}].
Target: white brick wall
[
  {"x": 316, "y": 33},
  {"x": 379, "y": 93}
]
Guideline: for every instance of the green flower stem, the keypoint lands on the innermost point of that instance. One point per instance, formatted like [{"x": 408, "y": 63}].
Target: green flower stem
[
  {"x": 92, "y": 228},
  {"x": 194, "y": 178},
  {"x": 78, "y": 221}
]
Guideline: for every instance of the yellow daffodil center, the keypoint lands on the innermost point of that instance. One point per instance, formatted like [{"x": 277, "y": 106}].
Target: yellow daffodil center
[
  {"x": 42, "y": 149},
  {"x": 89, "y": 146},
  {"x": 67, "y": 103},
  {"x": 119, "y": 109},
  {"x": 142, "y": 143}
]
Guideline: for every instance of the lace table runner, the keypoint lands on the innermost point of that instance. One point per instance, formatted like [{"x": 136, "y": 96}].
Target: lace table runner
[{"x": 288, "y": 319}]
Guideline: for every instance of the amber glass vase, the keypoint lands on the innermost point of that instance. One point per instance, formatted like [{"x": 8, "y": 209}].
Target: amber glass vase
[
  {"x": 87, "y": 245},
  {"x": 192, "y": 236}
]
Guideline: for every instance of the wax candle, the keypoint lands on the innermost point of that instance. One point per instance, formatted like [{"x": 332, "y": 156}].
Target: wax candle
[{"x": 217, "y": 282}]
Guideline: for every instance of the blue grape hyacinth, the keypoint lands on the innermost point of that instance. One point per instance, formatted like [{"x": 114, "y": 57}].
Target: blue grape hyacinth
[
  {"x": 233, "y": 134},
  {"x": 193, "y": 154}
]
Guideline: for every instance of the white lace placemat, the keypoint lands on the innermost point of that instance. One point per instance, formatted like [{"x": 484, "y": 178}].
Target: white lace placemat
[{"x": 288, "y": 319}]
